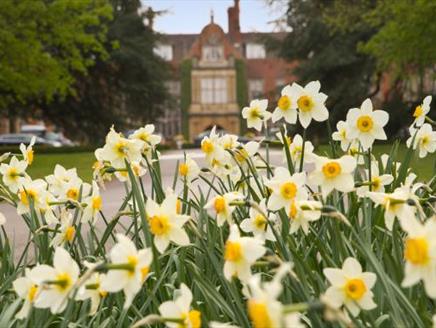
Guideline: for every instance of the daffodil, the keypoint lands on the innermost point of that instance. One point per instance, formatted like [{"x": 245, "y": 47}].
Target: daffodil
[
  {"x": 256, "y": 114},
  {"x": 258, "y": 223},
  {"x": 92, "y": 289},
  {"x": 245, "y": 152},
  {"x": 424, "y": 139},
  {"x": 146, "y": 134},
  {"x": 301, "y": 213},
  {"x": 26, "y": 290},
  {"x": 395, "y": 205},
  {"x": 296, "y": 151},
  {"x": 222, "y": 207},
  {"x": 94, "y": 204},
  {"x": 27, "y": 152},
  {"x": 60, "y": 178},
  {"x": 229, "y": 141},
  {"x": 212, "y": 148},
  {"x": 119, "y": 149},
  {"x": 32, "y": 191},
  {"x": 128, "y": 270},
  {"x": 180, "y": 309},
  {"x": 367, "y": 125},
  {"x": 377, "y": 183},
  {"x": 66, "y": 232},
  {"x": 350, "y": 287},
  {"x": 343, "y": 135},
  {"x": 165, "y": 223},
  {"x": 311, "y": 103},
  {"x": 421, "y": 111},
  {"x": 287, "y": 105},
  {"x": 285, "y": 188},
  {"x": 55, "y": 282},
  {"x": 74, "y": 190},
  {"x": 264, "y": 310},
  {"x": 420, "y": 255},
  {"x": 240, "y": 253},
  {"x": 14, "y": 174},
  {"x": 189, "y": 169},
  {"x": 332, "y": 174}
]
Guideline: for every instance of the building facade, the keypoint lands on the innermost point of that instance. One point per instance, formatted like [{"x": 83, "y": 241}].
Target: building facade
[{"x": 215, "y": 74}]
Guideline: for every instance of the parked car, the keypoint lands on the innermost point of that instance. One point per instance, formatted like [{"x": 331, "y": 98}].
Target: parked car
[
  {"x": 12, "y": 139},
  {"x": 58, "y": 138}
]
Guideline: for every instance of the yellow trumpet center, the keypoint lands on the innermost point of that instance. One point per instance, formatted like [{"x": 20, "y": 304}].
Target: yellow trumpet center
[
  {"x": 69, "y": 233},
  {"x": 254, "y": 113},
  {"x": 32, "y": 292},
  {"x": 416, "y": 251},
  {"x": 159, "y": 225},
  {"x": 284, "y": 103},
  {"x": 12, "y": 173},
  {"x": 96, "y": 203},
  {"x": 30, "y": 156},
  {"x": 219, "y": 204},
  {"x": 259, "y": 316},
  {"x": 355, "y": 288},
  {"x": 260, "y": 222},
  {"x": 120, "y": 148},
  {"x": 73, "y": 193},
  {"x": 331, "y": 170},
  {"x": 183, "y": 169},
  {"x": 26, "y": 194},
  {"x": 288, "y": 190},
  {"x": 144, "y": 272},
  {"x": 293, "y": 211},
  {"x": 233, "y": 251},
  {"x": 64, "y": 281},
  {"x": 365, "y": 123},
  {"x": 418, "y": 111},
  {"x": 207, "y": 146},
  {"x": 305, "y": 103}
]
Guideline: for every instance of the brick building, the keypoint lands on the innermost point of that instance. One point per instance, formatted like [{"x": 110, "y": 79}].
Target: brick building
[{"x": 215, "y": 74}]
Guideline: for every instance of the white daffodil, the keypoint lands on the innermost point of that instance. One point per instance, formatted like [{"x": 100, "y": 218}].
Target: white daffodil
[
  {"x": 222, "y": 207},
  {"x": 285, "y": 188},
  {"x": 287, "y": 105},
  {"x": 302, "y": 212},
  {"x": 264, "y": 310},
  {"x": 128, "y": 269},
  {"x": 28, "y": 151},
  {"x": 257, "y": 223},
  {"x": 424, "y": 138},
  {"x": 386, "y": 159},
  {"x": 26, "y": 290},
  {"x": 245, "y": 152},
  {"x": 395, "y": 205},
  {"x": 332, "y": 174},
  {"x": 256, "y": 114},
  {"x": 119, "y": 149},
  {"x": 311, "y": 103},
  {"x": 296, "y": 151},
  {"x": 60, "y": 178},
  {"x": 421, "y": 111},
  {"x": 32, "y": 191},
  {"x": 66, "y": 232},
  {"x": 14, "y": 174},
  {"x": 367, "y": 125},
  {"x": 93, "y": 205},
  {"x": 189, "y": 169},
  {"x": 350, "y": 287},
  {"x": 240, "y": 253},
  {"x": 137, "y": 168},
  {"x": 92, "y": 290},
  {"x": 212, "y": 148},
  {"x": 180, "y": 309},
  {"x": 355, "y": 150},
  {"x": 74, "y": 190},
  {"x": 229, "y": 141},
  {"x": 146, "y": 134},
  {"x": 378, "y": 181},
  {"x": 55, "y": 282},
  {"x": 420, "y": 255},
  {"x": 165, "y": 223},
  {"x": 342, "y": 135}
]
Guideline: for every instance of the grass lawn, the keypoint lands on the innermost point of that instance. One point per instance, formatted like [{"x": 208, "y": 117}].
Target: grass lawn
[{"x": 44, "y": 163}]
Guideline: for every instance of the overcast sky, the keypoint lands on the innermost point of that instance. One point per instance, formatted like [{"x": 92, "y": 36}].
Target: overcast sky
[{"x": 190, "y": 16}]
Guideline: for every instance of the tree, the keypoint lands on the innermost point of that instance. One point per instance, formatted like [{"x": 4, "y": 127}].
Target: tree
[
  {"x": 126, "y": 90},
  {"x": 45, "y": 44},
  {"x": 330, "y": 56}
]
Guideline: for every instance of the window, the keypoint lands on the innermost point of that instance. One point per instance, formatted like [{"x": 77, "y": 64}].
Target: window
[
  {"x": 213, "y": 53},
  {"x": 213, "y": 91},
  {"x": 255, "y": 89},
  {"x": 173, "y": 88},
  {"x": 255, "y": 50},
  {"x": 165, "y": 51}
]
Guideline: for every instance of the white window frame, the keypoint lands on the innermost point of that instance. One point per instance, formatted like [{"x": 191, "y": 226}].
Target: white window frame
[
  {"x": 164, "y": 51},
  {"x": 213, "y": 90},
  {"x": 255, "y": 50}
]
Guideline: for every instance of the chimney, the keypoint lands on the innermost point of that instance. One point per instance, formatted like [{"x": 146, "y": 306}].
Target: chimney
[{"x": 234, "y": 28}]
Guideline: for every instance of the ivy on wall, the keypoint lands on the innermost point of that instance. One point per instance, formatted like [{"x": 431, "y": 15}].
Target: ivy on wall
[
  {"x": 241, "y": 91},
  {"x": 185, "y": 99}
]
